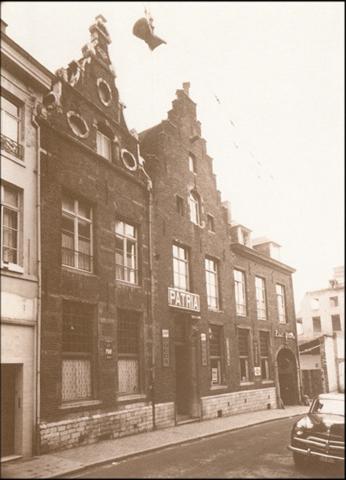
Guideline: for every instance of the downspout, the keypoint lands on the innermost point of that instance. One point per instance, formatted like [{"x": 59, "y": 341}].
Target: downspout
[
  {"x": 299, "y": 375},
  {"x": 151, "y": 303},
  {"x": 39, "y": 287}
]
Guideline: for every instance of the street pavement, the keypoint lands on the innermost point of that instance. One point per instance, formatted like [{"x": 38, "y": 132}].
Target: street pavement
[
  {"x": 257, "y": 451},
  {"x": 66, "y": 462}
]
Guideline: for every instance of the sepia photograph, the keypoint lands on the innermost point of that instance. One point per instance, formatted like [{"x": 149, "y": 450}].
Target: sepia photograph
[{"x": 172, "y": 239}]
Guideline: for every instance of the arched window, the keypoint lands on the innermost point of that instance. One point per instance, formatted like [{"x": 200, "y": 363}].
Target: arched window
[{"x": 195, "y": 208}]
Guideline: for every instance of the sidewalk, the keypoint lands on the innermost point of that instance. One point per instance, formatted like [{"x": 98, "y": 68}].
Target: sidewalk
[{"x": 66, "y": 462}]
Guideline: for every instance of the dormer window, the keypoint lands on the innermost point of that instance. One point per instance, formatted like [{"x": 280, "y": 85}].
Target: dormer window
[
  {"x": 195, "y": 208},
  {"x": 244, "y": 237}
]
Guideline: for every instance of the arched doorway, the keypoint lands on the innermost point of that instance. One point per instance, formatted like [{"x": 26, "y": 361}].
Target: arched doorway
[{"x": 287, "y": 372}]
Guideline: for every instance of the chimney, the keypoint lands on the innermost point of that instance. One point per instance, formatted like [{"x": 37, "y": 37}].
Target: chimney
[
  {"x": 186, "y": 88},
  {"x": 3, "y": 26},
  {"x": 227, "y": 205}
]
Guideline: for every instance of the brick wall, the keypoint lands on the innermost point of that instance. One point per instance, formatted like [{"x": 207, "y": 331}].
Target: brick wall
[
  {"x": 237, "y": 402},
  {"x": 84, "y": 430},
  {"x": 164, "y": 415},
  {"x": 90, "y": 429}
]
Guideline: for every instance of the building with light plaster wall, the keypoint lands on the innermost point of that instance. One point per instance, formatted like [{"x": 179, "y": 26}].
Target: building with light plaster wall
[
  {"x": 23, "y": 83},
  {"x": 321, "y": 330}
]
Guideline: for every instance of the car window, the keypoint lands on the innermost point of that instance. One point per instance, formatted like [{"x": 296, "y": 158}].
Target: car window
[{"x": 328, "y": 406}]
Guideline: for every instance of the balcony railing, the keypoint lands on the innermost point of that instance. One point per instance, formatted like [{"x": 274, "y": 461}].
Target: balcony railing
[{"x": 11, "y": 146}]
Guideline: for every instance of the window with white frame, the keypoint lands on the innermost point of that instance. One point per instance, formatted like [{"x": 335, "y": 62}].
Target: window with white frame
[
  {"x": 180, "y": 267},
  {"x": 261, "y": 298},
  {"x": 10, "y": 224},
  {"x": 103, "y": 145},
  {"x": 264, "y": 352},
  {"x": 126, "y": 253},
  {"x": 240, "y": 292},
  {"x": 195, "y": 208},
  {"x": 281, "y": 302},
  {"x": 212, "y": 283},
  {"x": 128, "y": 352},
  {"x": 243, "y": 347},
  {"x": 315, "y": 303},
  {"x": 10, "y": 127},
  {"x": 77, "y": 338},
  {"x": 333, "y": 301},
  {"x": 76, "y": 234},
  {"x": 215, "y": 353}
]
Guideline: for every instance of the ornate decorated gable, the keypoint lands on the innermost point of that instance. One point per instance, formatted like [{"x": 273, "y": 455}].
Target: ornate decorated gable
[{"x": 84, "y": 103}]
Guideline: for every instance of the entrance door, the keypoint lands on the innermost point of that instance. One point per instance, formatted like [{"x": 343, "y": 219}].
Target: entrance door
[
  {"x": 8, "y": 375},
  {"x": 287, "y": 377},
  {"x": 182, "y": 379}
]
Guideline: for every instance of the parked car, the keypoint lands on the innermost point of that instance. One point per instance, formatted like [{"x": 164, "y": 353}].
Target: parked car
[{"x": 320, "y": 433}]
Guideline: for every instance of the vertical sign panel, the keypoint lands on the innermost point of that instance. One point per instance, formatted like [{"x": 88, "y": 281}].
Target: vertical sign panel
[
  {"x": 204, "y": 349},
  {"x": 228, "y": 353},
  {"x": 165, "y": 347},
  {"x": 256, "y": 353}
]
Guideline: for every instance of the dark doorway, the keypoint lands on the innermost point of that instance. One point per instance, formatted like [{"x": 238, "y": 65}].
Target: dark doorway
[
  {"x": 182, "y": 380},
  {"x": 287, "y": 377},
  {"x": 8, "y": 377},
  {"x": 182, "y": 370}
]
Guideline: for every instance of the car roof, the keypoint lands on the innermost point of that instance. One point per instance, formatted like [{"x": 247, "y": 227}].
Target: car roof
[{"x": 331, "y": 396}]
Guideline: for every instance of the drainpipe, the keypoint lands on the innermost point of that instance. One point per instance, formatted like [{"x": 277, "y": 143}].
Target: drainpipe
[
  {"x": 297, "y": 356},
  {"x": 151, "y": 308},
  {"x": 39, "y": 287}
]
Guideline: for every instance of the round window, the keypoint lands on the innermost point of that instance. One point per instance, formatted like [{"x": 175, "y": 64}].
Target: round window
[
  {"x": 77, "y": 124},
  {"x": 128, "y": 160},
  {"x": 104, "y": 91}
]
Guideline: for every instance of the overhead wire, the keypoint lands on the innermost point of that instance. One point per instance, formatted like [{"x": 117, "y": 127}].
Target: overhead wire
[{"x": 238, "y": 145}]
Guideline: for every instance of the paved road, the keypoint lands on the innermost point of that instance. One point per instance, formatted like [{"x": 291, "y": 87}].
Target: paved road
[{"x": 254, "y": 452}]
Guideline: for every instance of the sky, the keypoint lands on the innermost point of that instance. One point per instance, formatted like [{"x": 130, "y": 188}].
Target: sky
[{"x": 268, "y": 81}]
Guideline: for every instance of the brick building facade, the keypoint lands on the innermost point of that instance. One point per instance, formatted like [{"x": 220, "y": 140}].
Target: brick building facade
[
  {"x": 211, "y": 360},
  {"x": 149, "y": 311},
  {"x": 96, "y": 324}
]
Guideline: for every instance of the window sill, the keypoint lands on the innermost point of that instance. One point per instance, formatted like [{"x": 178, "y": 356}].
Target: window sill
[
  {"x": 265, "y": 382},
  {"x": 242, "y": 384},
  {"x": 12, "y": 267},
  {"x": 218, "y": 387},
  {"x": 77, "y": 270},
  {"x": 131, "y": 396},
  {"x": 128, "y": 284},
  {"x": 78, "y": 404},
  {"x": 13, "y": 158}
]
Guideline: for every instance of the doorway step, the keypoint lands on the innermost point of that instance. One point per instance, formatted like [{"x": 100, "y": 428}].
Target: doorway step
[{"x": 182, "y": 419}]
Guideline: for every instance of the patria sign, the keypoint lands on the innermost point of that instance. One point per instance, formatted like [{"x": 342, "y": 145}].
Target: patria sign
[{"x": 181, "y": 299}]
